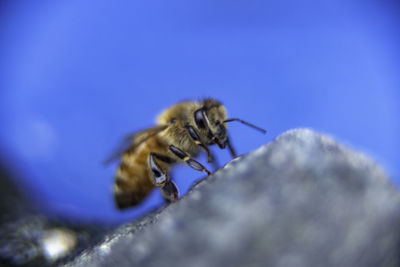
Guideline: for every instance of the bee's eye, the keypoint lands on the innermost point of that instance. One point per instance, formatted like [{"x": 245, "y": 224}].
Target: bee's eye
[{"x": 199, "y": 119}]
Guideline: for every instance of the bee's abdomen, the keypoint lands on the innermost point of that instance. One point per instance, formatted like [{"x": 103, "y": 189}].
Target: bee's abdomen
[{"x": 132, "y": 184}]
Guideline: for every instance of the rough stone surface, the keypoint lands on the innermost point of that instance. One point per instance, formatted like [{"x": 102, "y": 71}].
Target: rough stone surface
[
  {"x": 302, "y": 200},
  {"x": 29, "y": 238}
]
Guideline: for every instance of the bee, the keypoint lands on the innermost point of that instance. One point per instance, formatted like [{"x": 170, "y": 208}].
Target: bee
[{"x": 182, "y": 131}]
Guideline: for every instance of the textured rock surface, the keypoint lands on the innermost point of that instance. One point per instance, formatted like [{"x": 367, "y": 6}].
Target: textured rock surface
[
  {"x": 28, "y": 238},
  {"x": 302, "y": 200}
]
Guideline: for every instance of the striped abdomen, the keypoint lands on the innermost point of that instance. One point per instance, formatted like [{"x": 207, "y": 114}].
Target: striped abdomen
[{"x": 133, "y": 182}]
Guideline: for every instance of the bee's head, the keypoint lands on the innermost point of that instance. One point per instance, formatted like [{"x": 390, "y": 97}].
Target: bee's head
[{"x": 210, "y": 121}]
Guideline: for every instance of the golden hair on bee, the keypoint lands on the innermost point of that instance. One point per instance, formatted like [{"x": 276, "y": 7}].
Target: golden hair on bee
[{"x": 182, "y": 131}]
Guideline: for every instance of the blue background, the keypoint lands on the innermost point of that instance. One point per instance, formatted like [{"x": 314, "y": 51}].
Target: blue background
[{"x": 76, "y": 77}]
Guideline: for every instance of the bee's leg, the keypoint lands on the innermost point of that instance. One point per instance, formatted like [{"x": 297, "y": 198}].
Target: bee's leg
[
  {"x": 170, "y": 192},
  {"x": 214, "y": 162},
  {"x": 193, "y": 134},
  {"x": 162, "y": 158},
  {"x": 160, "y": 177},
  {"x": 231, "y": 149},
  {"x": 211, "y": 157},
  {"x": 168, "y": 188},
  {"x": 189, "y": 161}
]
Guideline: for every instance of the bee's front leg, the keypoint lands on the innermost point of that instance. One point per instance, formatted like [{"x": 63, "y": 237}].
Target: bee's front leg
[
  {"x": 231, "y": 149},
  {"x": 189, "y": 160},
  {"x": 196, "y": 139}
]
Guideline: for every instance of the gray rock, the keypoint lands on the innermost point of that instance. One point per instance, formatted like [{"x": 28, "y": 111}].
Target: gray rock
[
  {"x": 30, "y": 238},
  {"x": 302, "y": 200}
]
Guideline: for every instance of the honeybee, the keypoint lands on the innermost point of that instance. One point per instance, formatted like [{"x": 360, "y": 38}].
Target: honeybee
[{"x": 182, "y": 131}]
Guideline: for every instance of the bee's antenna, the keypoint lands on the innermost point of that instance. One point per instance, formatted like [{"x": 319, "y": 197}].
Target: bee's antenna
[{"x": 247, "y": 123}]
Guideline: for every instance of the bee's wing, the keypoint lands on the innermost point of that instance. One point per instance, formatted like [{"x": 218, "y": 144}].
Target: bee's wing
[{"x": 132, "y": 141}]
